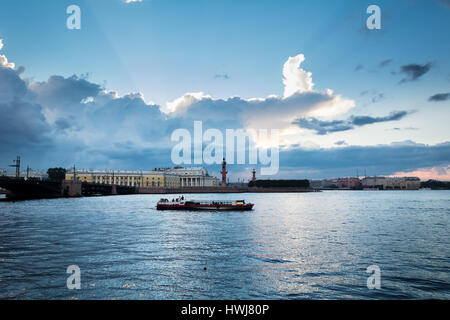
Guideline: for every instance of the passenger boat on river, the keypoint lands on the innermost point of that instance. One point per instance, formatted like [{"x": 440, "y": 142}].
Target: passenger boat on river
[{"x": 182, "y": 204}]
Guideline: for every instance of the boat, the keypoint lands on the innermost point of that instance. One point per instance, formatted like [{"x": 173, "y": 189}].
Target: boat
[{"x": 182, "y": 204}]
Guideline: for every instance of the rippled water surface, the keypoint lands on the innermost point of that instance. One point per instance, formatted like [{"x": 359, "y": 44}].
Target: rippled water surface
[{"x": 291, "y": 246}]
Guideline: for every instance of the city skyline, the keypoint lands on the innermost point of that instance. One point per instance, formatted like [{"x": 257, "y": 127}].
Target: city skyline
[{"x": 346, "y": 98}]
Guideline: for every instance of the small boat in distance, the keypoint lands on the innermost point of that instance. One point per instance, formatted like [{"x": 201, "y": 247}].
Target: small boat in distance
[{"x": 182, "y": 204}]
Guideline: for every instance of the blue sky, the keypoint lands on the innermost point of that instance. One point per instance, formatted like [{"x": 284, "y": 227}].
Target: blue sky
[{"x": 165, "y": 49}]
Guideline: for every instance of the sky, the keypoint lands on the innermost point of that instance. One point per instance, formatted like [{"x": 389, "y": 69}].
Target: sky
[{"x": 345, "y": 98}]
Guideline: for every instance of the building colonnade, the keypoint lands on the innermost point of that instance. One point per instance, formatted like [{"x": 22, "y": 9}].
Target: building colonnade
[{"x": 192, "y": 182}]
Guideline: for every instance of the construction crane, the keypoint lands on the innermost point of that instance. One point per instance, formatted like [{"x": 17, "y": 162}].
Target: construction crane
[{"x": 17, "y": 166}]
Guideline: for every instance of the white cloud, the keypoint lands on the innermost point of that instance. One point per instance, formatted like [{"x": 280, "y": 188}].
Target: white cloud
[
  {"x": 63, "y": 97},
  {"x": 335, "y": 107},
  {"x": 295, "y": 79},
  {"x": 3, "y": 60},
  {"x": 63, "y": 121},
  {"x": 130, "y": 1},
  {"x": 184, "y": 101},
  {"x": 272, "y": 112}
]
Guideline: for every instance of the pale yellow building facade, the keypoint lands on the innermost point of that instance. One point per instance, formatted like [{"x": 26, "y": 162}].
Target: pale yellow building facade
[
  {"x": 177, "y": 177},
  {"x": 149, "y": 179}
]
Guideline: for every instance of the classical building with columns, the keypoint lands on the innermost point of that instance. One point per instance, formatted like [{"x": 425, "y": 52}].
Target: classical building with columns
[
  {"x": 191, "y": 177},
  {"x": 159, "y": 178},
  {"x": 150, "y": 179}
]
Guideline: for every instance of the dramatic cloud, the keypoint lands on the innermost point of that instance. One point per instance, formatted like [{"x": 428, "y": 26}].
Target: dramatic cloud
[
  {"x": 78, "y": 109},
  {"x": 268, "y": 113},
  {"x": 180, "y": 104},
  {"x": 295, "y": 79},
  {"x": 440, "y": 97},
  {"x": 271, "y": 112},
  {"x": 363, "y": 120},
  {"x": 63, "y": 96},
  {"x": 414, "y": 71},
  {"x": 22, "y": 123},
  {"x": 325, "y": 127},
  {"x": 66, "y": 121},
  {"x": 377, "y": 160},
  {"x": 11, "y": 85}
]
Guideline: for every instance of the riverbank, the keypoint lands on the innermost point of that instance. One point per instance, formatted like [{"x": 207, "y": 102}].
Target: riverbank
[
  {"x": 19, "y": 189},
  {"x": 143, "y": 190}
]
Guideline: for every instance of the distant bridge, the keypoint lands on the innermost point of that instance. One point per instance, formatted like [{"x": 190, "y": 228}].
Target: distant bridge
[
  {"x": 19, "y": 188},
  {"x": 93, "y": 189}
]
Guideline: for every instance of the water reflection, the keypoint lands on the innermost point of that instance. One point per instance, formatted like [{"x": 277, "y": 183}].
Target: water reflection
[{"x": 311, "y": 245}]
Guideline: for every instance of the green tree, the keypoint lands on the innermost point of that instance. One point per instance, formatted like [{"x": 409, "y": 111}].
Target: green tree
[
  {"x": 435, "y": 185},
  {"x": 57, "y": 174},
  {"x": 279, "y": 183}
]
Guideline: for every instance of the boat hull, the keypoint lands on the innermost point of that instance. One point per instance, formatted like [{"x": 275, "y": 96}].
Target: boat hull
[{"x": 244, "y": 207}]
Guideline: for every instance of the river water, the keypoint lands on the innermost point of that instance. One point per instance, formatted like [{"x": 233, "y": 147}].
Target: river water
[{"x": 291, "y": 246}]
